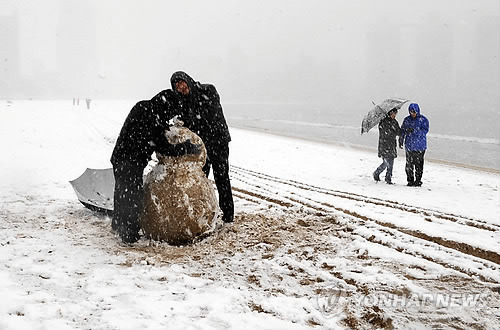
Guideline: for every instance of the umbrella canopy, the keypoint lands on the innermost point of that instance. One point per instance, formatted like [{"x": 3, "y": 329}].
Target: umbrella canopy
[
  {"x": 379, "y": 112},
  {"x": 95, "y": 188}
]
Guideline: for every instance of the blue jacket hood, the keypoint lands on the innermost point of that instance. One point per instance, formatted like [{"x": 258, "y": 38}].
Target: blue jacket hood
[{"x": 414, "y": 107}]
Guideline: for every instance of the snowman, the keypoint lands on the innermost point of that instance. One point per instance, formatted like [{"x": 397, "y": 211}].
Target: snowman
[{"x": 179, "y": 202}]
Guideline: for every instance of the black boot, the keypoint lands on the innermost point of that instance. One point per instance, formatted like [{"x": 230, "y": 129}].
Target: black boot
[
  {"x": 228, "y": 218},
  {"x": 129, "y": 238}
]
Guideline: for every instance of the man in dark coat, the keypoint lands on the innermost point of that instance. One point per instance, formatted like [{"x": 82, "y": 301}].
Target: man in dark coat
[
  {"x": 388, "y": 129},
  {"x": 198, "y": 106},
  {"x": 141, "y": 135},
  {"x": 414, "y": 135}
]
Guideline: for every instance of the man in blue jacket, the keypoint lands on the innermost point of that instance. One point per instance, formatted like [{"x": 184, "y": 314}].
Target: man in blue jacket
[{"x": 413, "y": 134}]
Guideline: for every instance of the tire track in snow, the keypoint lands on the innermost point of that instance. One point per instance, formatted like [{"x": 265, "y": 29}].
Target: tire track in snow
[
  {"x": 439, "y": 247},
  {"x": 389, "y": 237},
  {"x": 373, "y": 200}
]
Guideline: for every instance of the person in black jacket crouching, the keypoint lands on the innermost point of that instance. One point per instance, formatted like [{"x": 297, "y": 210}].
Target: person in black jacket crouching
[
  {"x": 198, "y": 106},
  {"x": 141, "y": 135}
]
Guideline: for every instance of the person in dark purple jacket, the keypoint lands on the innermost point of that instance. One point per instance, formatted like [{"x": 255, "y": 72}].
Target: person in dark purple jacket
[
  {"x": 414, "y": 136},
  {"x": 388, "y": 132}
]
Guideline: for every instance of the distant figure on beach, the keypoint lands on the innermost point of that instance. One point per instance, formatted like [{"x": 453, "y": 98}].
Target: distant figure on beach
[
  {"x": 388, "y": 129},
  {"x": 87, "y": 101},
  {"x": 414, "y": 136}
]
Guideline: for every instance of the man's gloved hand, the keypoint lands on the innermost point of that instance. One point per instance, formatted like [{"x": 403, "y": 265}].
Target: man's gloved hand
[
  {"x": 410, "y": 130},
  {"x": 401, "y": 143},
  {"x": 190, "y": 148}
]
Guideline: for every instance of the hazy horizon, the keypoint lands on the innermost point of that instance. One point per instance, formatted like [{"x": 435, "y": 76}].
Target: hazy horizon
[{"x": 442, "y": 54}]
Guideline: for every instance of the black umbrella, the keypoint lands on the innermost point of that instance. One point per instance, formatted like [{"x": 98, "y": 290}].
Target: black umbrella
[
  {"x": 379, "y": 112},
  {"x": 95, "y": 188}
]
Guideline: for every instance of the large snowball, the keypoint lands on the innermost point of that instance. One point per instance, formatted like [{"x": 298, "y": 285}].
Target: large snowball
[{"x": 180, "y": 202}]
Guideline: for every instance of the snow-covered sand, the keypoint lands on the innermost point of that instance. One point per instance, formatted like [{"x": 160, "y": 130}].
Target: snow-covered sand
[{"x": 310, "y": 222}]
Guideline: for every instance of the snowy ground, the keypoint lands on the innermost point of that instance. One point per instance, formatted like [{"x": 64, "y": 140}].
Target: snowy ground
[{"x": 315, "y": 243}]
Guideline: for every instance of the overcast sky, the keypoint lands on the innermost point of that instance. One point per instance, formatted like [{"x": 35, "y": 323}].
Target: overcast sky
[{"x": 311, "y": 51}]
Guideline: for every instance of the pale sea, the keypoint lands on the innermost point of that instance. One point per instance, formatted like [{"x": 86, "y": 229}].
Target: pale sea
[{"x": 463, "y": 139}]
